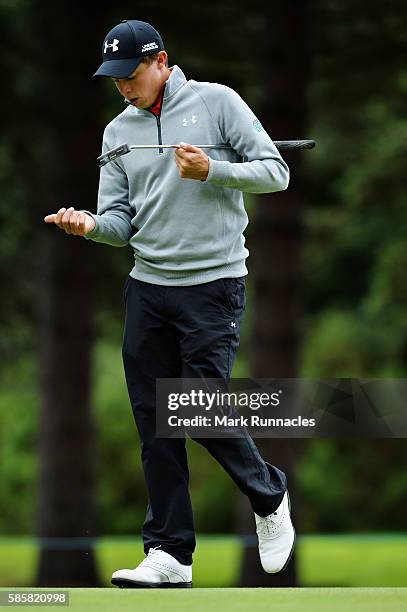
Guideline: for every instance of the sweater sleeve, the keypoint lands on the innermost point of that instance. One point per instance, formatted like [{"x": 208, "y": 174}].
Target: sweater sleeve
[
  {"x": 263, "y": 170},
  {"x": 114, "y": 213}
]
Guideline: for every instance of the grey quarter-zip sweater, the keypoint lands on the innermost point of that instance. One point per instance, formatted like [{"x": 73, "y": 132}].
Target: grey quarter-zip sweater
[{"x": 185, "y": 231}]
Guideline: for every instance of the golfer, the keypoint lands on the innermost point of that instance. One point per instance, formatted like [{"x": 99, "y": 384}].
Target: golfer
[{"x": 182, "y": 212}]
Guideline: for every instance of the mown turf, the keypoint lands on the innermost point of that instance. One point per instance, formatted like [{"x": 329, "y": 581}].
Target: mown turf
[
  {"x": 375, "y": 560},
  {"x": 340, "y": 560},
  {"x": 323, "y": 561},
  {"x": 239, "y": 600}
]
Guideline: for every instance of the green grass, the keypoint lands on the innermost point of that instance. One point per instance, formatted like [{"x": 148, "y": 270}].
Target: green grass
[
  {"x": 239, "y": 600},
  {"x": 323, "y": 561},
  {"x": 18, "y": 559},
  {"x": 351, "y": 560}
]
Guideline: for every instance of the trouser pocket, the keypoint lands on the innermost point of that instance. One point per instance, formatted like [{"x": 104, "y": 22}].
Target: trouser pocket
[{"x": 234, "y": 293}]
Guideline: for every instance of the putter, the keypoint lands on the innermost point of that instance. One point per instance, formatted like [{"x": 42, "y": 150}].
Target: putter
[{"x": 125, "y": 148}]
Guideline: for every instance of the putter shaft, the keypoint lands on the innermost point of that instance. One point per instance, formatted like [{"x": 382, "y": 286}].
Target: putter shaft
[
  {"x": 175, "y": 146},
  {"x": 125, "y": 148}
]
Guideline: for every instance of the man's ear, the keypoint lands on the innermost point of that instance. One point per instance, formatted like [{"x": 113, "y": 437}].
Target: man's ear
[{"x": 162, "y": 58}]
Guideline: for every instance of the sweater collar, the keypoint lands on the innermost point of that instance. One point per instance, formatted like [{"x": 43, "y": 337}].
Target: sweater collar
[{"x": 174, "y": 82}]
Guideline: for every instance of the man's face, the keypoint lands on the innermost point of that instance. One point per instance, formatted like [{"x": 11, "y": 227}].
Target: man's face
[{"x": 142, "y": 87}]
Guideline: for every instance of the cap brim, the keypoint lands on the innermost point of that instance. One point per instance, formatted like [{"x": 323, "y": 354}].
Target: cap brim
[{"x": 120, "y": 69}]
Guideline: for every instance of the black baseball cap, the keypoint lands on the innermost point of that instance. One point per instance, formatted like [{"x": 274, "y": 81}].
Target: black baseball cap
[{"x": 125, "y": 46}]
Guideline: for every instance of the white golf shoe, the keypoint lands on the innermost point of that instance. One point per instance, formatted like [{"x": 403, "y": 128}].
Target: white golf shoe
[
  {"x": 276, "y": 537},
  {"x": 159, "y": 570}
]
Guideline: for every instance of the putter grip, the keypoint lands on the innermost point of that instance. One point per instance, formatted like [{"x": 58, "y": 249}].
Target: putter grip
[{"x": 294, "y": 144}]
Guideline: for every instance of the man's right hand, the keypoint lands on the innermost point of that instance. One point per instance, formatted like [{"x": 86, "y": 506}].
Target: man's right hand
[{"x": 72, "y": 221}]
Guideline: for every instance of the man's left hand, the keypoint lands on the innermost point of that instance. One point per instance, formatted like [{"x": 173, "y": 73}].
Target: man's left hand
[{"x": 192, "y": 162}]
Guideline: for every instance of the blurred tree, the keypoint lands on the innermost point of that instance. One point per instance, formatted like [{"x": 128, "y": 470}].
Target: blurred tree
[
  {"x": 67, "y": 44},
  {"x": 276, "y": 237}
]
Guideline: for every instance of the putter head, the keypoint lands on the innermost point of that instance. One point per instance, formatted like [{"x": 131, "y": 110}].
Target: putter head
[{"x": 113, "y": 154}]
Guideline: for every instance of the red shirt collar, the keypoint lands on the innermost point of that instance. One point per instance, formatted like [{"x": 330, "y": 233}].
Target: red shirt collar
[{"x": 156, "y": 107}]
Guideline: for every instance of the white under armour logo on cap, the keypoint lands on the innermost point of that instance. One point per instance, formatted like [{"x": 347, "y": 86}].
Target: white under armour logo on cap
[{"x": 114, "y": 45}]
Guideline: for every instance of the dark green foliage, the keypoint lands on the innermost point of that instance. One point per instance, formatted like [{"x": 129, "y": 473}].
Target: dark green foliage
[{"x": 353, "y": 265}]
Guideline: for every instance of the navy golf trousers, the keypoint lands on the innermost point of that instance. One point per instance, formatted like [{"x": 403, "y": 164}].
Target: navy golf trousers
[{"x": 187, "y": 332}]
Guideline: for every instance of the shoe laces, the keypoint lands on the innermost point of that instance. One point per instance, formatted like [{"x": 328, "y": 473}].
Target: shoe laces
[
  {"x": 152, "y": 551},
  {"x": 268, "y": 525}
]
